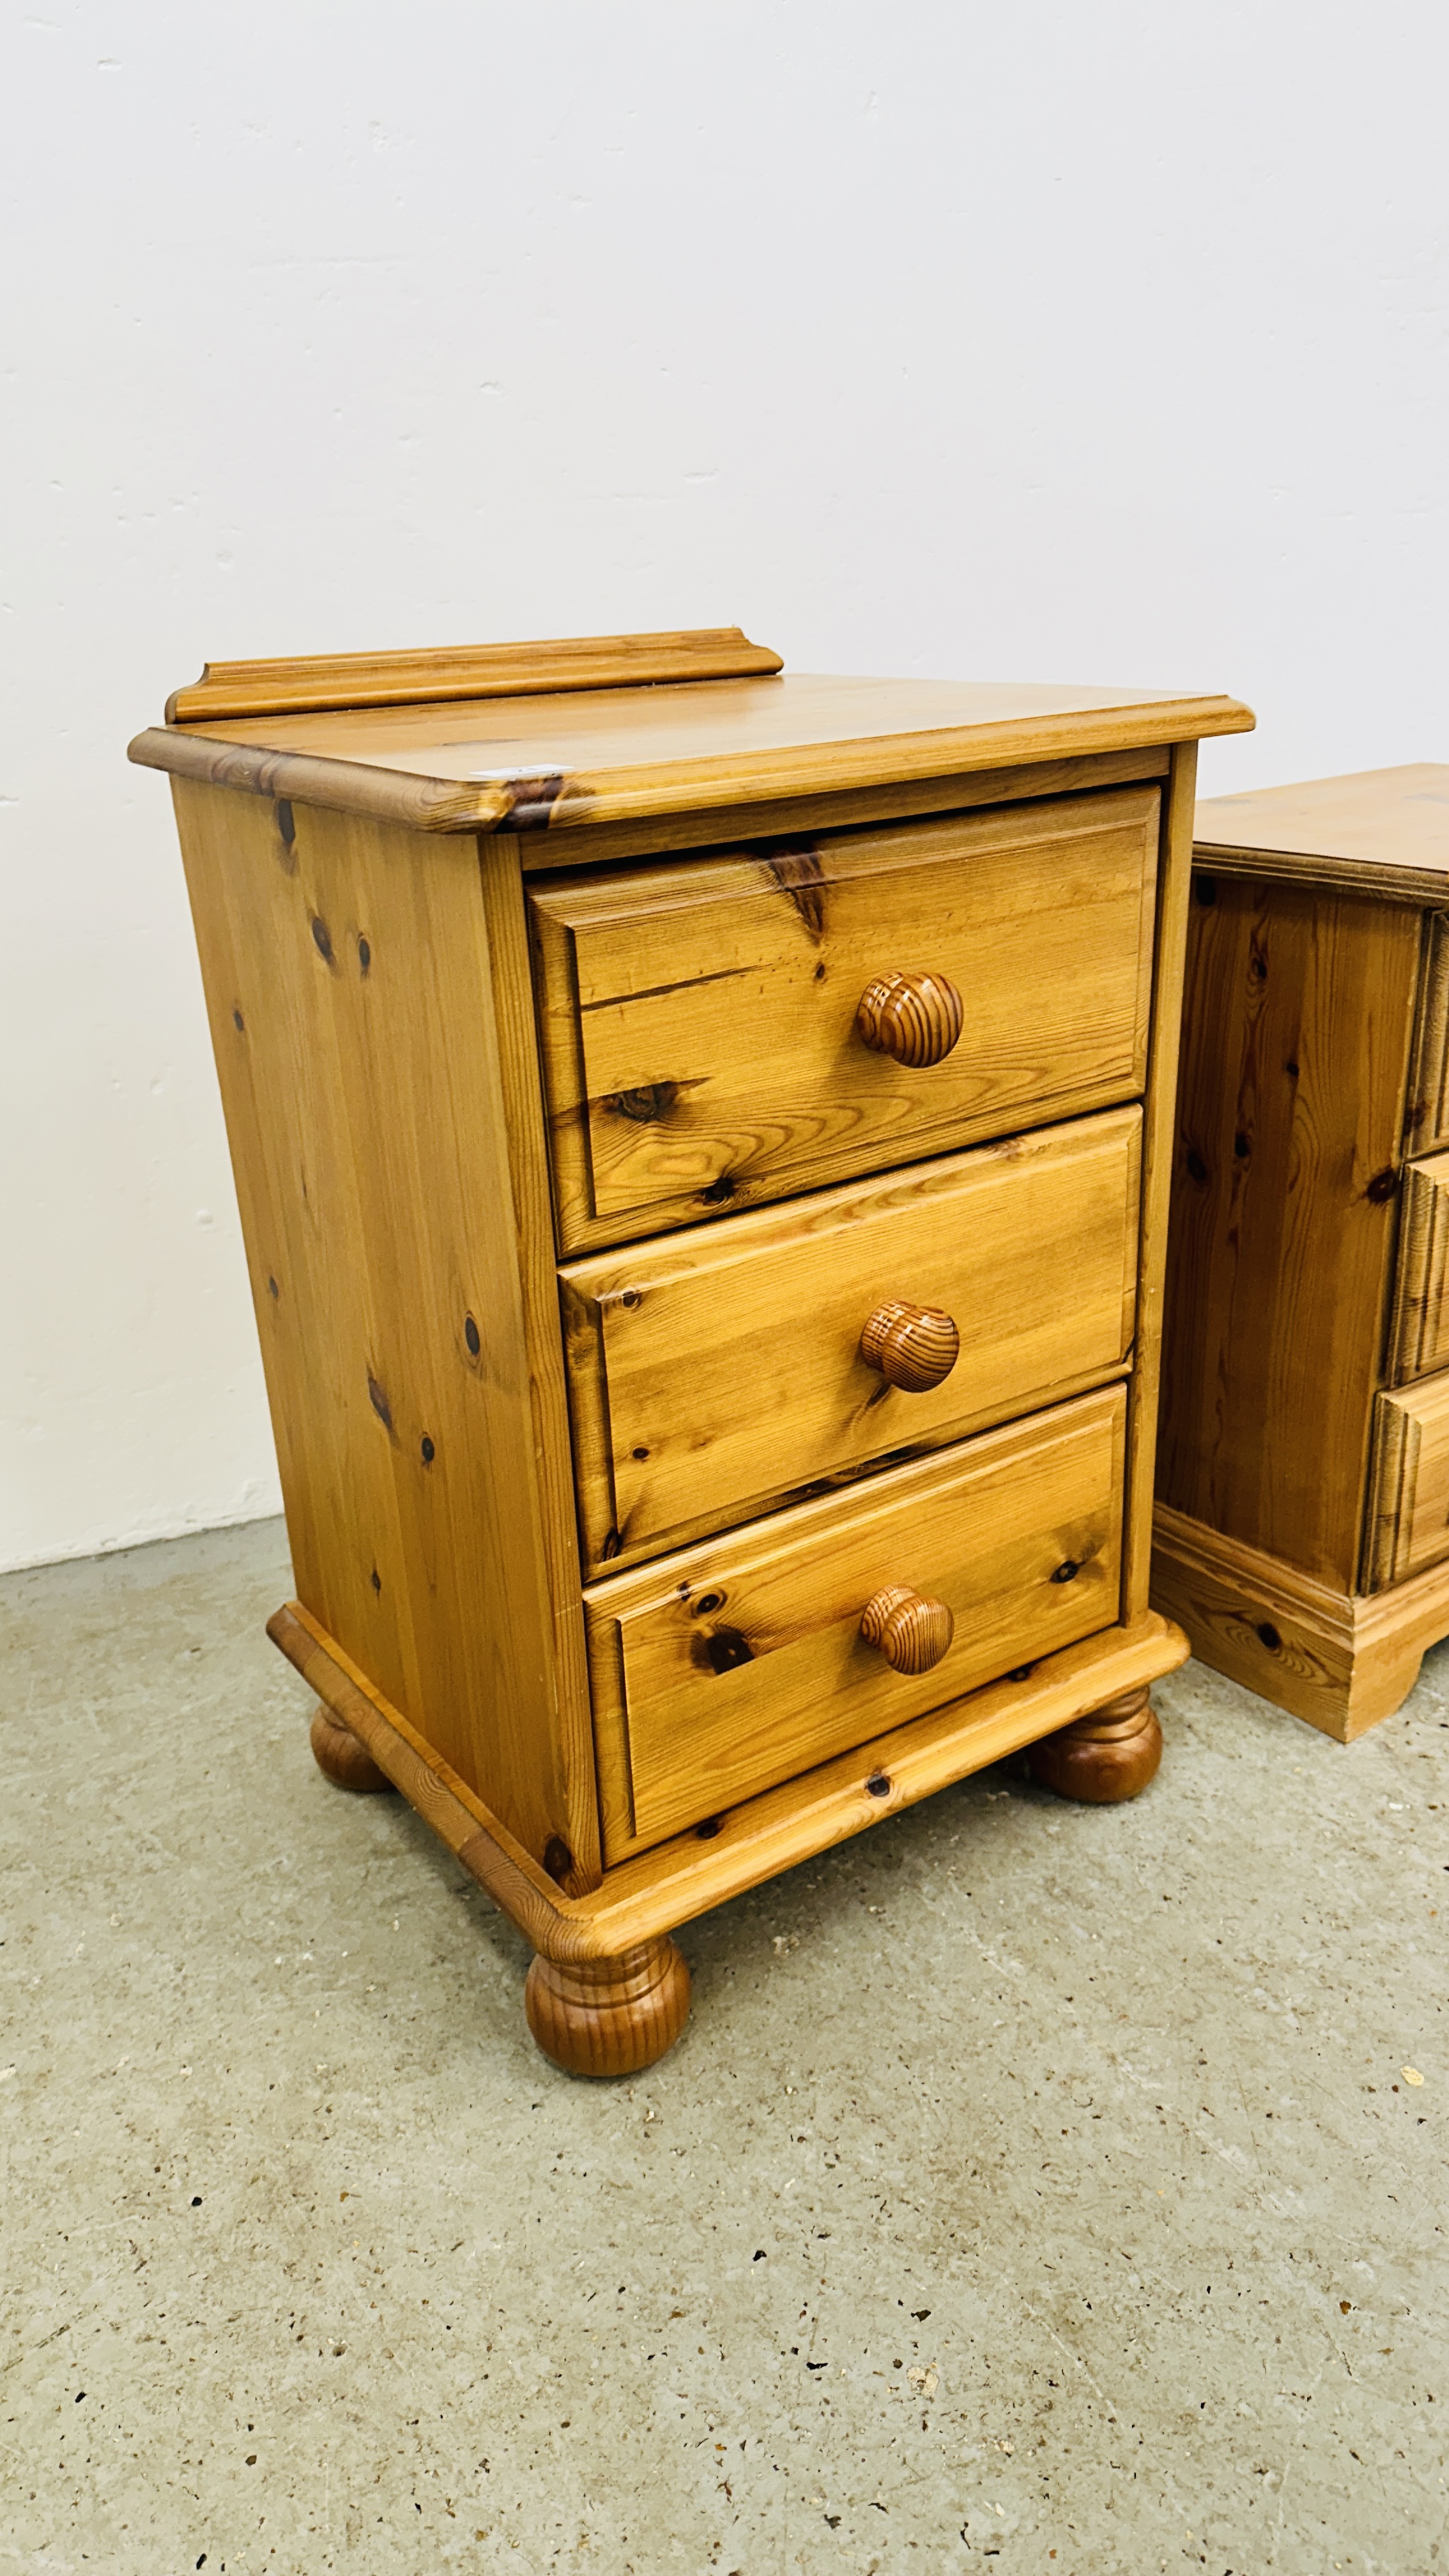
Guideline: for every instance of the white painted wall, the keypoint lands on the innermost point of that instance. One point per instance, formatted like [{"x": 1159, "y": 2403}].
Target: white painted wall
[{"x": 1076, "y": 339}]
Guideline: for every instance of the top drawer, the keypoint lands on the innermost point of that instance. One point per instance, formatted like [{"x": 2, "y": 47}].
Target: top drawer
[{"x": 699, "y": 1023}]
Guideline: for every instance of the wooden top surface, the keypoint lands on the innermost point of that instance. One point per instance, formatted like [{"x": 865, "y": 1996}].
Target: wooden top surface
[
  {"x": 1377, "y": 831},
  {"x": 720, "y": 721},
  {"x": 576, "y": 756}
]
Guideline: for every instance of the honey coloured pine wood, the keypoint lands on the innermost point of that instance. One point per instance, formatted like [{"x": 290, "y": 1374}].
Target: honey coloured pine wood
[
  {"x": 1409, "y": 1488},
  {"x": 609, "y": 2016},
  {"x": 684, "y": 1877},
  {"x": 1174, "y": 877},
  {"x": 1420, "y": 1339},
  {"x": 915, "y": 1348},
  {"x": 772, "y": 818},
  {"x": 346, "y": 681},
  {"x": 700, "y": 1023},
  {"x": 767, "y": 1191},
  {"x": 1099, "y": 1759},
  {"x": 723, "y": 1670},
  {"x": 411, "y": 1351},
  {"x": 1298, "y": 1015},
  {"x": 911, "y": 1632},
  {"x": 578, "y": 759},
  {"x": 1426, "y": 1119},
  {"x": 1342, "y": 1661},
  {"x": 1383, "y": 833},
  {"x": 343, "y": 1756},
  {"x": 914, "y": 1019},
  {"x": 1298, "y": 1470},
  {"x": 714, "y": 1371}
]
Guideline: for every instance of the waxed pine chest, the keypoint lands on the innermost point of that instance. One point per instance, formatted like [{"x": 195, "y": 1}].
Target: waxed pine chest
[
  {"x": 1303, "y": 1484},
  {"x": 702, "y": 1138}
]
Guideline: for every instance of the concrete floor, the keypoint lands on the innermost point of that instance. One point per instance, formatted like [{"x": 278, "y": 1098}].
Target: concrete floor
[{"x": 1037, "y": 2187}]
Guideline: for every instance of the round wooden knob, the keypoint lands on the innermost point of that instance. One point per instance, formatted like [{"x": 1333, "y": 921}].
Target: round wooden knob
[
  {"x": 915, "y": 1347},
  {"x": 911, "y": 1632},
  {"x": 914, "y": 1018}
]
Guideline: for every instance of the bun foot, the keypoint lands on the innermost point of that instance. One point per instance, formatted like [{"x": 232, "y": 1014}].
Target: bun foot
[
  {"x": 1102, "y": 1758},
  {"x": 337, "y": 1751},
  {"x": 609, "y": 2016}
]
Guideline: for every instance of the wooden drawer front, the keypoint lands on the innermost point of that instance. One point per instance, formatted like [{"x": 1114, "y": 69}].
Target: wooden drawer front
[
  {"x": 1409, "y": 1484},
  {"x": 720, "y": 1671},
  {"x": 699, "y": 1021},
  {"x": 1427, "y": 1122},
  {"x": 1420, "y": 1337},
  {"x": 714, "y": 1370}
]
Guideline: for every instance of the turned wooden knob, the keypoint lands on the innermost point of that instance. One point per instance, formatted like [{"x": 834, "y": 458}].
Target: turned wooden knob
[
  {"x": 914, "y": 1018},
  {"x": 911, "y": 1632},
  {"x": 915, "y": 1347}
]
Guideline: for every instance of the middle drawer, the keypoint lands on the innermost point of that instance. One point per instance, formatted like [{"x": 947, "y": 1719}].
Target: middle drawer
[{"x": 715, "y": 1371}]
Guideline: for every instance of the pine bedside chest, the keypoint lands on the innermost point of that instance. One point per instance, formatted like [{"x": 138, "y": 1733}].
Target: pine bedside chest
[
  {"x": 1303, "y": 1472},
  {"x": 702, "y": 1139}
]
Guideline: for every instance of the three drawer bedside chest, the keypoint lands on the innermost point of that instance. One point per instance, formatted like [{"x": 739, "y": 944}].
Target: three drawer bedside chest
[
  {"x": 702, "y": 1139},
  {"x": 1303, "y": 1472}
]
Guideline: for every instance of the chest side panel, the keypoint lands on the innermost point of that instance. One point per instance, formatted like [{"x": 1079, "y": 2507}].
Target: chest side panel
[
  {"x": 361, "y": 1037},
  {"x": 1297, "y": 1026}
]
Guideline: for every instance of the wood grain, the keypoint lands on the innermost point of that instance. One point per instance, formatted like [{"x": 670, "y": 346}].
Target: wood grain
[
  {"x": 343, "y": 1757},
  {"x": 1174, "y": 875},
  {"x": 697, "y": 1020},
  {"x": 528, "y": 1202},
  {"x": 374, "y": 1066},
  {"x": 1419, "y": 1340},
  {"x": 630, "y": 755},
  {"x": 915, "y": 1019},
  {"x": 342, "y": 786},
  {"x": 722, "y": 1670},
  {"x": 912, "y": 1632},
  {"x": 1426, "y": 1118},
  {"x": 693, "y": 1872},
  {"x": 1104, "y": 1758},
  {"x": 1343, "y": 1661},
  {"x": 1381, "y": 832},
  {"x": 714, "y": 1370},
  {"x": 932, "y": 1586},
  {"x": 347, "y": 680},
  {"x": 915, "y": 1348},
  {"x": 791, "y": 818},
  {"x": 1408, "y": 1514},
  {"x": 1297, "y": 1021},
  {"x": 605, "y": 2017},
  {"x": 447, "y": 1803}
]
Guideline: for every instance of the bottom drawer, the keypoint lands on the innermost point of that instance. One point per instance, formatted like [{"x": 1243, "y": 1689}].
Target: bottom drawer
[
  {"x": 1409, "y": 1484},
  {"x": 736, "y": 1664}
]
